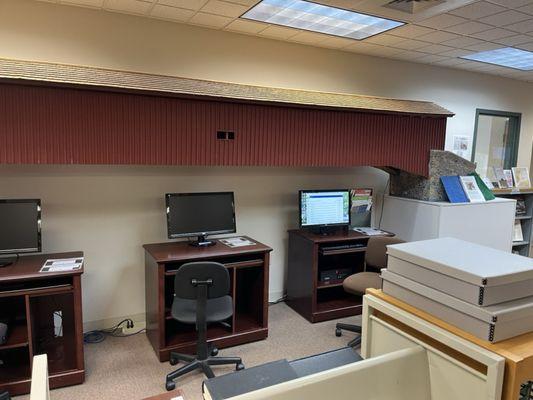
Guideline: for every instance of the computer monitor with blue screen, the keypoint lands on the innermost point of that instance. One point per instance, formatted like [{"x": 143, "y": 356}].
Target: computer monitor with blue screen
[{"x": 323, "y": 208}]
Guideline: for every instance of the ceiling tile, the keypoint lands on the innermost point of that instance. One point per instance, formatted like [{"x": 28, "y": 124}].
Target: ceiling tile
[
  {"x": 308, "y": 38},
  {"x": 522, "y": 27},
  {"x": 526, "y": 46},
  {"x": 409, "y": 55},
  {"x": 469, "y": 27},
  {"x": 384, "y": 39},
  {"x": 188, "y": 4},
  {"x": 336, "y": 42},
  {"x": 129, "y": 6},
  {"x": 505, "y": 18},
  {"x": 448, "y": 62},
  {"x": 85, "y": 3},
  {"x": 363, "y": 47},
  {"x": 486, "y": 46},
  {"x": 511, "y": 3},
  {"x": 462, "y": 42},
  {"x": 456, "y": 53},
  {"x": 514, "y": 40},
  {"x": 245, "y": 2},
  {"x": 244, "y": 26},
  {"x": 431, "y": 58},
  {"x": 410, "y": 44},
  {"x": 410, "y": 31},
  {"x": 526, "y": 9},
  {"x": 435, "y": 49},
  {"x": 171, "y": 13},
  {"x": 278, "y": 32},
  {"x": 223, "y": 8},
  {"x": 442, "y": 21},
  {"x": 210, "y": 20},
  {"x": 439, "y": 37},
  {"x": 477, "y": 10},
  {"x": 491, "y": 34}
]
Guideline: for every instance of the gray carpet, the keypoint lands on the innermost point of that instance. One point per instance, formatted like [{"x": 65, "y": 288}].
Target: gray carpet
[{"x": 127, "y": 368}]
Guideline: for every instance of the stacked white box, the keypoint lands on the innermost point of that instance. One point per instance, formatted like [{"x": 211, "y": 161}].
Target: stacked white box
[{"x": 486, "y": 292}]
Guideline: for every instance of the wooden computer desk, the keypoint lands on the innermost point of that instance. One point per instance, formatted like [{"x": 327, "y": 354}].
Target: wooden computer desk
[
  {"x": 31, "y": 301},
  {"x": 175, "y": 394},
  {"x": 309, "y": 255},
  {"x": 248, "y": 267},
  {"x": 518, "y": 351}
]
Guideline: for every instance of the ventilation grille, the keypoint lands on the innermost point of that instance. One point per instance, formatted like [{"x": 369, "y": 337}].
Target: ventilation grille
[{"x": 413, "y": 6}]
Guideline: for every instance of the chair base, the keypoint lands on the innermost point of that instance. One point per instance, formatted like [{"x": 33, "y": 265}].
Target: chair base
[
  {"x": 356, "y": 342},
  {"x": 194, "y": 363}
]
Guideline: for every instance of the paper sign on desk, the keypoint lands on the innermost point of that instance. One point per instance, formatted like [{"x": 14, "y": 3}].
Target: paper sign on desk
[
  {"x": 237, "y": 242},
  {"x": 62, "y": 265}
]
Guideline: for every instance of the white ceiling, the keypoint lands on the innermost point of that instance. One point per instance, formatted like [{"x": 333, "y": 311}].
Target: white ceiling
[{"x": 439, "y": 39}]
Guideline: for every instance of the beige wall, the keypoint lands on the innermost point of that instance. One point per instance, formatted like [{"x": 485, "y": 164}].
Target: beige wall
[
  {"x": 109, "y": 212},
  {"x": 85, "y": 206}
]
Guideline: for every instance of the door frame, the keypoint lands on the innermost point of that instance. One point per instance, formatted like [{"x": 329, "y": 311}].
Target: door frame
[{"x": 515, "y": 121}]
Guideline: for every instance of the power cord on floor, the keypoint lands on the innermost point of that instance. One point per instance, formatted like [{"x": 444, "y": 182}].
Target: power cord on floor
[
  {"x": 280, "y": 300},
  {"x": 99, "y": 335}
]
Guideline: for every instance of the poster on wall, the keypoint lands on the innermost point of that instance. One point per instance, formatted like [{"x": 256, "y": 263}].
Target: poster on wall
[{"x": 461, "y": 146}]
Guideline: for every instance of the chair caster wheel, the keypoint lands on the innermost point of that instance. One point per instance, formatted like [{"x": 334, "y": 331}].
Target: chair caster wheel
[
  {"x": 338, "y": 332},
  {"x": 214, "y": 352},
  {"x": 173, "y": 361},
  {"x": 239, "y": 367},
  {"x": 170, "y": 386}
]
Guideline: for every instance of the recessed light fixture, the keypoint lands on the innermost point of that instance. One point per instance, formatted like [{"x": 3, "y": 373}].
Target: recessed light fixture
[
  {"x": 301, "y": 14},
  {"x": 506, "y": 57}
]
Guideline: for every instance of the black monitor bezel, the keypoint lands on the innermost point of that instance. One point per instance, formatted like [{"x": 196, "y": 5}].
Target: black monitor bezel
[
  {"x": 324, "y": 191},
  {"x": 37, "y": 202},
  {"x": 191, "y": 234}
]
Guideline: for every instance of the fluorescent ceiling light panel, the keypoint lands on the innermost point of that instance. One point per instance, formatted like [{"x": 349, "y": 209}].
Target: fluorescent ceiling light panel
[
  {"x": 506, "y": 57},
  {"x": 301, "y": 14}
]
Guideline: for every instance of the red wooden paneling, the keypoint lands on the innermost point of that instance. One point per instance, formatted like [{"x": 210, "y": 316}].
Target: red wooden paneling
[{"x": 45, "y": 125}]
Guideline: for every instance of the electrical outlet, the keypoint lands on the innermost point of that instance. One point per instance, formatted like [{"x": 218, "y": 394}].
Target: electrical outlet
[{"x": 137, "y": 326}]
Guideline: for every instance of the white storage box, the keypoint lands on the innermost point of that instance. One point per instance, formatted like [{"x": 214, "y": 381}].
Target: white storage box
[
  {"x": 492, "y": 323},
  {"x": 476, "y": 274}
]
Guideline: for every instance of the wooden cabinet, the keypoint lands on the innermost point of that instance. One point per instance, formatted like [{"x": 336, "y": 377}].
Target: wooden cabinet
[
  {"x": 248, "y": 267},
  {"x": 44, "y": 314},
  {"x": 311, "y": 254}
]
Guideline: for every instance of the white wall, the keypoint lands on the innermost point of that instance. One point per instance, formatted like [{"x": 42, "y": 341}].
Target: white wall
[{"x": 47, "y": 32}]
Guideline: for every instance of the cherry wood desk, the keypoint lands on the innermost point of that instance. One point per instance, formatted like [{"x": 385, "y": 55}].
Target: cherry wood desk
[
  {"x": 30, "y": 301},
  {"x": 308, "y": 256},
  {"x": 517, "y": 351},
  {"x": 248, "y": 267}
]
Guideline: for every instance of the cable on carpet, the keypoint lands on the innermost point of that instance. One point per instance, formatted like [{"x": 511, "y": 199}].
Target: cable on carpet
[{"x": 99, "y": 335}]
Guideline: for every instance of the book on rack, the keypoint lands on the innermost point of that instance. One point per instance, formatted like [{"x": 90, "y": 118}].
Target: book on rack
[
  {"x": 521, "y": 205},
  {"x": 453, "y": 189},
  {"x": 471, "y": 189},
  {"x": 518, "y": 236},
  {"x": 500, "y": 177},
  {"x": 508, "y": 177},
  {"x": 521, "y": 177}
]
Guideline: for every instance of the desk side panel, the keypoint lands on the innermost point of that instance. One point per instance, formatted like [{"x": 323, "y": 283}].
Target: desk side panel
[
  {"x": 301, "y": 275},
  {"x": 154, "y": 315}
]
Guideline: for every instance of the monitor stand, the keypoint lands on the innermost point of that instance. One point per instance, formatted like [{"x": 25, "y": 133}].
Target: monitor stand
[
  {"x": 6, "y": 262},
  {"x": 203, "y": 242}
]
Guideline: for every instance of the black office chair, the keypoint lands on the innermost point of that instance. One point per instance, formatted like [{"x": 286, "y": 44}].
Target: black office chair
[
  {"x": 201, "y": 297},
  {"x": 4, "y": 396}
]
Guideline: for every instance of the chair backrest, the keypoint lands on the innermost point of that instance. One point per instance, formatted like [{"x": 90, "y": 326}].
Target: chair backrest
[
  {"x": 187, "y": 274},
  {"x": 376, "y": 250},
  {"x": 39, "y": 378}
]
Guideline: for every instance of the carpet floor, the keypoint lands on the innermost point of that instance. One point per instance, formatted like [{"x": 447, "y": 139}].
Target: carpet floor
[{"x": 127, "y": 368}]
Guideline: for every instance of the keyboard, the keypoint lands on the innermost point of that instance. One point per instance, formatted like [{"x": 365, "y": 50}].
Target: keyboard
[{"x": 343, "y": 247}]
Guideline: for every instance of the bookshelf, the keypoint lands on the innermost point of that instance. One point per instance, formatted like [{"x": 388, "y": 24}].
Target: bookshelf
[{"x": 525, "y": 220}]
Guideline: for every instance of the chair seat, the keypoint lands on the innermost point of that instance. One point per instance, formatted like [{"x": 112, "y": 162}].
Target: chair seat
[
  {"x": 358, "y": 283},
  {"x": 218, "y": 309}
]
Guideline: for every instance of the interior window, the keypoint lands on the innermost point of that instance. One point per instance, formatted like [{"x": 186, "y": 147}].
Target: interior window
[{"x": 495, "y": 141}]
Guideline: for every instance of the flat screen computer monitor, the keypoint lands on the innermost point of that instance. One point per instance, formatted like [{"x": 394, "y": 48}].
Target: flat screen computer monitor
[
  {"x": 322, "y": 208},
  {"x": 200, "y": 214},
  {"x": 20, "y": 227}
]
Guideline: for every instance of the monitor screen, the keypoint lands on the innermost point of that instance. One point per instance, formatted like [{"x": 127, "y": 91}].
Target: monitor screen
[
  {"x": 324, "y": 207},
  {"x": 20, "y": 226},
  {"x": 194, "y": 214}
]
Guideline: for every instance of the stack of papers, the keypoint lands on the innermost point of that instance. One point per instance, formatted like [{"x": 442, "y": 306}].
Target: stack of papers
[
  {"x": 62, "y": 265},
  {"x": 237, "y": 242},
  {"x": 370, "y": 231}
]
